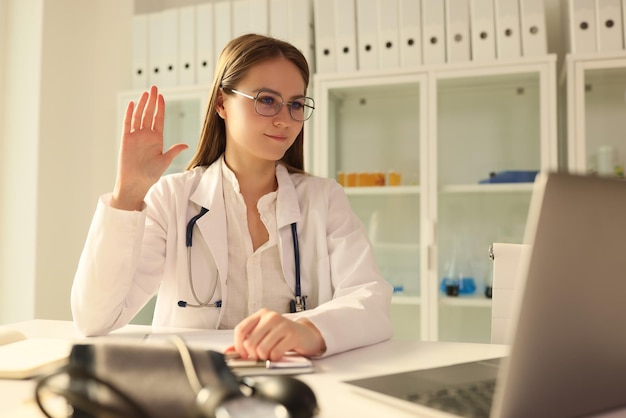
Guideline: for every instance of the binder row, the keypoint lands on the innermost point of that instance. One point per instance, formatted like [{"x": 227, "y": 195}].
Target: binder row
[
  {"x": 180, "y": 46},
  {"x": 595, "y": 25},
  {"x": 382, "y": 34}
]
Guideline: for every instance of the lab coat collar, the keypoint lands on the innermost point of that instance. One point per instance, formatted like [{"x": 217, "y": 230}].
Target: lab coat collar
[
  {"x": 209, "y": 189},
  {"x": 287, "y": 205},
  {"x": 209, "y": 192}
]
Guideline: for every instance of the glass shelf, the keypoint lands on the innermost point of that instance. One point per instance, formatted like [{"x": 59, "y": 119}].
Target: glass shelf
[
  {"x": 405, "y": 300},
  {"x": 475, "y": 301},
  {"x": 382, "y": 190},
  {"x": 487, "y": 188}
]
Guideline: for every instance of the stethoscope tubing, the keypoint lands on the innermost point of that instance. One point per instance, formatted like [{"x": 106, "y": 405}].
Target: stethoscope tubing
[
  {"x": 299, "y": 300},
  {"x": 296, "y": 256}
]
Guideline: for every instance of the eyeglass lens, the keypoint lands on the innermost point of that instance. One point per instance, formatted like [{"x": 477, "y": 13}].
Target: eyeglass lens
[{"x": 269, "y": 104}]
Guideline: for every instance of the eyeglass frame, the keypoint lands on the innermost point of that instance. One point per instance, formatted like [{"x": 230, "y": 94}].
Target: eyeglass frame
[{"x": 278, "y": 106}]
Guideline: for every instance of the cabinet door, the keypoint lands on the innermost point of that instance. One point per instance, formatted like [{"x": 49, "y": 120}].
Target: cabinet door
[
  {"x": 369, "y": 137},
  {"x": 492, "y": 125},
  {"x": 596, "y": 108},
  {"x": 184, "y": 116}
]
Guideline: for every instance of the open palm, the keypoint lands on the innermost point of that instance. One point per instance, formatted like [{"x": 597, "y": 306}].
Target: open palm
[{"x": 142, "y": 160}]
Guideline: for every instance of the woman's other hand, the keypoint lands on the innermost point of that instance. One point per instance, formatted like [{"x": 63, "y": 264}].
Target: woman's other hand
[
  {"x": 267, "y": 335},
  {"x": 141, "y": 159}
]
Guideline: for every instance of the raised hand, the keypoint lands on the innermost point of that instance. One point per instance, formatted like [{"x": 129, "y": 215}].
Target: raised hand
[{"x": 141, "y": 159}]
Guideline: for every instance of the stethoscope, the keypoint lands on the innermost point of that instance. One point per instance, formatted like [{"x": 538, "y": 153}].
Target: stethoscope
[{"x": 298, "y": 304}]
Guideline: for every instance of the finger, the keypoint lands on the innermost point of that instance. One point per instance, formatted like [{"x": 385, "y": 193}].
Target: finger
[
  {"x": 128, "y": 117},
  {"x": 148, "y": 111},
  {"x": 279, "y": 349},
  {"x": 241, "y": 333},
  {"x": 138, "y": 112},
  {"x": 262, "y": 339},
  {"x": 274, "y": 344},
  {"x": 159, "y": 117},
  {"x": 173, "y": 152}
]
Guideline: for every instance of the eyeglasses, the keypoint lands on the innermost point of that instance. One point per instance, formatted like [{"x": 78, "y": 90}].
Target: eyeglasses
[{"x": 267, "y": 103}]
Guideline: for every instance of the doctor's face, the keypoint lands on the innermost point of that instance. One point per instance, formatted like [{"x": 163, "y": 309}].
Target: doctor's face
[{"x": 250, "y": 134}]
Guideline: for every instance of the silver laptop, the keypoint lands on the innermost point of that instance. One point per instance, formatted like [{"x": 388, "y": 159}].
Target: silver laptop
[{"x": 568, "y": 356}]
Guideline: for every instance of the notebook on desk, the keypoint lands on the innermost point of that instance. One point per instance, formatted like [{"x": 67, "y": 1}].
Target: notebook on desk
[
  {"x": 22, "y": 357},
  {"x": 567, "y": 357}
]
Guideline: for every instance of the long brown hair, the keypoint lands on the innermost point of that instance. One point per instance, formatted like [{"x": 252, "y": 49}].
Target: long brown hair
[{"x": 238, "y": 56}]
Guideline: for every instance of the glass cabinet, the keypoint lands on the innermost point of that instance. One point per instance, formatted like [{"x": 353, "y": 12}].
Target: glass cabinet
[
  {"x": 495, "y": 129},
  {"x": 370, "y": 135},
  {"x": 440, "y": 140},
  {"x": 596, "y": 109}
]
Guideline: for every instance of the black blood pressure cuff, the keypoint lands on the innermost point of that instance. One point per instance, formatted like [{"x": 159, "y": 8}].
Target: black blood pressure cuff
[
  {"x": 118, "y": 378},
  {"x": 142, "y": 379}
]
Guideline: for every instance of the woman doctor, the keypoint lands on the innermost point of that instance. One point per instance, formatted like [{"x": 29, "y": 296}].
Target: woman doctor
[{"x": 225, "y": 243}]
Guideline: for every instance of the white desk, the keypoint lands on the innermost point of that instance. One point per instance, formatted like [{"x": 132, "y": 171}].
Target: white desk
[{"x": 335, "y": 398}]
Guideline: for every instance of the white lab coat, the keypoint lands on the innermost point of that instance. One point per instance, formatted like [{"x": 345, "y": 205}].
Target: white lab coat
[{"x": 129, "y": 256}]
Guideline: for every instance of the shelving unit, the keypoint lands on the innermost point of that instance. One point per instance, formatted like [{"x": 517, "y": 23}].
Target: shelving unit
[{"x": 444, "y": 128}]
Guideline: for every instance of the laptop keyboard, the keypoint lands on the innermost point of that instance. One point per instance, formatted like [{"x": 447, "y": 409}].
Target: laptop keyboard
[{"x": 471, "y": 401}]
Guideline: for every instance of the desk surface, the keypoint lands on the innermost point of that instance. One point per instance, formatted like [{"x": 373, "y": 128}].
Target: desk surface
[{"x": 336, "y": 399}]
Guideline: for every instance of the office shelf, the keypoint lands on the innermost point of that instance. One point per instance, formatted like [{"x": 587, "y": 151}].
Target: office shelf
[
  {"x": 466, "y": 301},
  {"x": 382, "y": 190},
  {"x": 405, "y": 300}
]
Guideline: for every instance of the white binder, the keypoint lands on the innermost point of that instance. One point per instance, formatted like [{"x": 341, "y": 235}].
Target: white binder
[
  {"x": 433, "y": 32},
  {"x": 458, "y": 44},
  {"x": 155, "y": 54},
  {"x": 222, "y": 19},
  {"x": 508, "y": 35},
  {"x": 609, "y": 25},
  {"x": 582, "y": 26},
  {"x": 205, "y": 49},
  {"x": 325, "y": 53},
  {"x": 279, "y": 19},
  {"x": 241, "y": 17},
  {"x": 410, "y": 33},
  {"x": 187, "y": 46},
  {"x": 534, "y": 33},
  {"x": 624, "y": 22},
  {"x": 169, "y": 47},
  {"x": 388, "y": 34},
  {"x": 367, "y": 34},
  {"x": 140, "y": 51},
  {"x": 259, "y": 16},
  {"x": 301, "y": 29},
  {"x": 345, "y": 35},
  {"x": 483, "y": 29}
]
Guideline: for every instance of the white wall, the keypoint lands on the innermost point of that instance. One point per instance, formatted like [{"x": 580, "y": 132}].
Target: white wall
[
  {"x": 2, "y": 142},
  {"x": 2, "y": 70},
  {"x": 65, "y": 62},
  {"x": 19, "y": 156}
]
